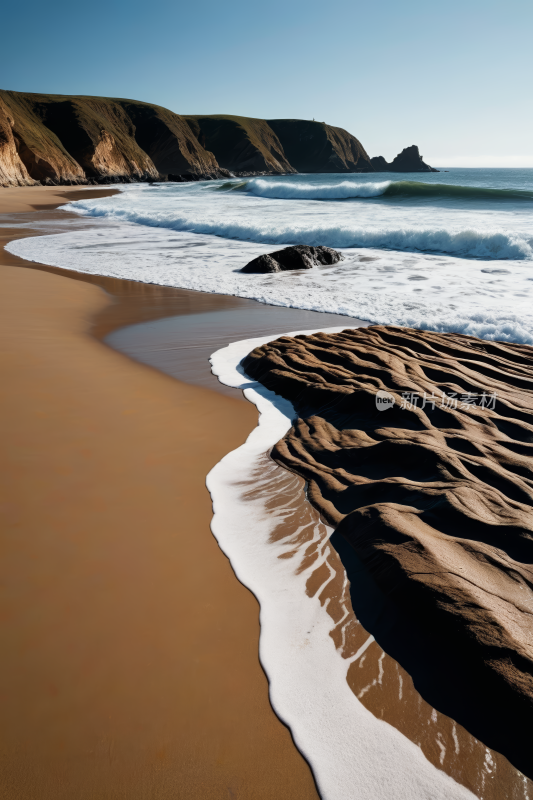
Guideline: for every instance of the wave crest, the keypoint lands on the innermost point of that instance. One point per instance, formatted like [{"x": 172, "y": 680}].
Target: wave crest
[
  {"x": 345, "y": 190},
  {"x": 464, "y": 243},
  {"x": 312, "y": 191}
]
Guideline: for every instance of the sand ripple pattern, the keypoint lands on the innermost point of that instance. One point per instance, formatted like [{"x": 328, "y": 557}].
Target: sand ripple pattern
[{"x": 434, "y": 503}]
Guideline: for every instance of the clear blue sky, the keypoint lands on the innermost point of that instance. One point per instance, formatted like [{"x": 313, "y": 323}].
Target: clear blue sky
[{"x": 454, "y": 77}]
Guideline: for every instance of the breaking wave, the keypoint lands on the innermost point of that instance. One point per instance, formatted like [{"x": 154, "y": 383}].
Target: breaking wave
[
  {"x": 490, "y": 244},
  {"x": 344, "y": 190}
]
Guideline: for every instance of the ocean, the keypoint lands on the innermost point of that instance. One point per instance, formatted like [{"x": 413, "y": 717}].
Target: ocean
[{"x": 448, "y": 251}]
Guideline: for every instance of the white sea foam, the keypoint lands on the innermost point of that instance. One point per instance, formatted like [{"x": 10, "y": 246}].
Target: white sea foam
[
  {"x": 467, "y": 242},
  {"x": 429, "y": 292},
  {"x": 337, "y": 190},
  {"x": 197, "y": 237},
  {"x": 352, "y": 753}
]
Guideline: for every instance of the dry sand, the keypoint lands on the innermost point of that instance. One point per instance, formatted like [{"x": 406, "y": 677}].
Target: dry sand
[
  {"x": 129, "y": 649},
  {"x": 38, "y": 198}
]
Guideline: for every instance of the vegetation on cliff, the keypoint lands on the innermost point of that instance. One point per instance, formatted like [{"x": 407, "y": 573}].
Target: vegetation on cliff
[
  {"x": 56, "y": 139},
  {"x": 241, "y": 144},
  {"x": 316, "y": 147},
  {"x": 63, "y": 140}
]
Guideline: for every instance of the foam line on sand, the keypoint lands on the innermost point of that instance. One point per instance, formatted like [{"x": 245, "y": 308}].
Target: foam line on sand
[{"x": 352, "y": 753}]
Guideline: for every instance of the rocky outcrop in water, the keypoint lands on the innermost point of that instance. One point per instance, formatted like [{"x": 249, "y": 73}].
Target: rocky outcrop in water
[
  {"x": 316, "y": 147},
  {"x": 434, "y": 495},
  {"x": 409, "y": 160},
  {"x": 380, "y": 164},
  {"x": 300, "y": 256}
]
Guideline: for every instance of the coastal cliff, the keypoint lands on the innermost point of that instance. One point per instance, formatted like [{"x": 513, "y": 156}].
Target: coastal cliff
[
  {"x": 12, "y": 169},
  {"x": 241, "y": 144},
  {"x": 54, "y": 139},
  {"x": 316, "y": 147},
  {"x": 32, "y": 153},
  {"x": 64, "y": 140},
  {"x": 167, "y": 139},
  {"x": 435, "y": 497}
]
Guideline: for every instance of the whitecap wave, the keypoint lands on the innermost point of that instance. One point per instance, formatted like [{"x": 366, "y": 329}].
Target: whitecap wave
[
  {"x": 466, "y": 300},
  {"x": 490, "y": 244},
  {"x": 312, "y": 191},
  {"x": 401, "y": 189}
]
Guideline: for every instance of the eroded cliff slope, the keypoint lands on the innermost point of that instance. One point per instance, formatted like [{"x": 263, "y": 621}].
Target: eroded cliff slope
[
  {"x": 56, "y": 139},
  {"x": 38, "y": 153},
  {"x": 12, "y": 169},
  {"x": 241, "y": 144},
  {"x": 316, "y": 147}
]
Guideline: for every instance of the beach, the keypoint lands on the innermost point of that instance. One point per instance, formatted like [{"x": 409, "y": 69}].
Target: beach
[
  {"x": 130, "y": 664},
  {"x": 134, "y": 663},
  {"x": 266, "y": 404}
]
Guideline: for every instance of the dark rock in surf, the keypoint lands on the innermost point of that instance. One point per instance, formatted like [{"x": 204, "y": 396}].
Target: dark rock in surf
[
  {"x": 380, "y": 164},
  {"x": 300, "y": 256},
  {"x": 409, "y": 160}
]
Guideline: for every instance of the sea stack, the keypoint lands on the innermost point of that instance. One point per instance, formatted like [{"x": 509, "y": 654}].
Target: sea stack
[{"x": 409, "y": 160}]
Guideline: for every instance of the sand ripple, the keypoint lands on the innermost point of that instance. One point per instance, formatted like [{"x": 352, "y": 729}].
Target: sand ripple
[{"x": 436, "y": 505}]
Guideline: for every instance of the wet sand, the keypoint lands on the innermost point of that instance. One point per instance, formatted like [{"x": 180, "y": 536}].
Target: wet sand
[
  {"x": 180, "y": 346},
  {"x": 130, "y": 664}
]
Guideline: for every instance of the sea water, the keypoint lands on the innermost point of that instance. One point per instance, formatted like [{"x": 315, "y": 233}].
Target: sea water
[{"x": 448, "y": 251}]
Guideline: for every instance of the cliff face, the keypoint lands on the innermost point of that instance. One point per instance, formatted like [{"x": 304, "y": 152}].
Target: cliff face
[
  {"x": 42, "y": 154},
  {"x": 55, "y": 139},
  {"x": 317, "y": 147},
  {"x": 64, "y": 140},
  {"x": 241, "y": 144},
  {"x": 99, "y": 135},
  {"x": 12, "y": 170},
  {"x": 409, "y": 160},
  {"x": 168, "y": 140}
]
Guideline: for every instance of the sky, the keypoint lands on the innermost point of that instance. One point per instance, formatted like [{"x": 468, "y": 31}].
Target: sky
[{"x": 453, "y": 77}]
